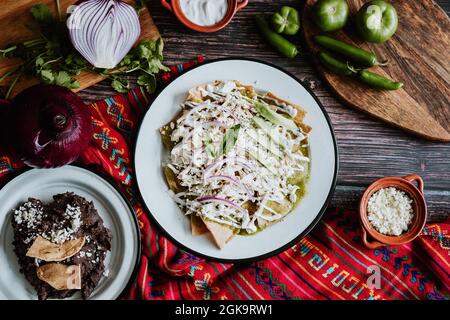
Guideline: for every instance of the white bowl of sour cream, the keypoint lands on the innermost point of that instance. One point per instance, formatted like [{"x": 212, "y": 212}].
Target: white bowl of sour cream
[{"x": 204, "y": 15}]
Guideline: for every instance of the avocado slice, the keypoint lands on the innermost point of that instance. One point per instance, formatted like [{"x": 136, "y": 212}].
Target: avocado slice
[
  {"x": 267, "y": 128},
  {"x": 266, "y": 112}
]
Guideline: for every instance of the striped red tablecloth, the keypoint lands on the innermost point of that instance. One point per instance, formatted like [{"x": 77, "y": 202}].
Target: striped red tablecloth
[{"x": 330, "y": 263}]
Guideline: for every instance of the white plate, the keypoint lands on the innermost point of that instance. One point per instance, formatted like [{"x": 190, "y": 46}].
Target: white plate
[
  {"x": 117, "y": 216},
  {"x": 150, "y": 153}
]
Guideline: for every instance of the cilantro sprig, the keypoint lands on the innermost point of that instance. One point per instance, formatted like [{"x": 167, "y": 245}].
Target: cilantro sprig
[
  {"x": 144, "y": 61},
  {"x": 53, "y": 60}
]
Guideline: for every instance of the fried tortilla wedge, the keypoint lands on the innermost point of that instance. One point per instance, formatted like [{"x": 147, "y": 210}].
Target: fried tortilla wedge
[
  {"x": 300, "y": 112},
  {"x": 221, "y": 233},
  {"x": 198, "y": 227},
  {"x": 195, "y": 93},
  {"x": 167, "y": 130},
  {"x": 172, "y": 180},
  {"x": 60, "y": 276},
  {"x": 48, "y": 251}
]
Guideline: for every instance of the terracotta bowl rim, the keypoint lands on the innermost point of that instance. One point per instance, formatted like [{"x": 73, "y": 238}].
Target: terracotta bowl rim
[
  {"x": 418, "y": 222},
  {"x": 229, "y": 15}
]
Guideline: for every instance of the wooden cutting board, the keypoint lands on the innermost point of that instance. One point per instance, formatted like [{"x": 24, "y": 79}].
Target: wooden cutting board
[
  {"x": 14, "y": 16},
  {"x": 419, "y": 55}
]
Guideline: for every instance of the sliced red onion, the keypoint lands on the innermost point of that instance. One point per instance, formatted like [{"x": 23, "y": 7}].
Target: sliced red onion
[
  {"x": 214, "y": 124},
  {"x": 194, "y": 109},
  {"x": 231, "y": 113},
  {"x": 221, "y": 201},
  {"x": 239, "y": 161},
  {"x": 236, "y": 182},
  {"x": 103, "y": 31}
]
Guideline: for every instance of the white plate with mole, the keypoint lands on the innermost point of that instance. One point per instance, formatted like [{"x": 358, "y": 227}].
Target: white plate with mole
[
  {"x": 150, "y": 154},
  {"x": 115, "y": 211}
]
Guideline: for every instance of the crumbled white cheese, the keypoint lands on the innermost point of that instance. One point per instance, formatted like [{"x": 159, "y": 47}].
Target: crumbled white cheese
[
  {"x": 29, "y": 217},
  {"x": 62, "y": 235},
  {"x": 29, "y": 214},
  {"x": 390, "y": 211},
  {"x": 74, "y": 214}
]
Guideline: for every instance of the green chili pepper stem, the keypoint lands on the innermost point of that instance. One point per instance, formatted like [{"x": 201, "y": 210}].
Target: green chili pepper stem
[
  {"x": 353, "y": 53},
  {"x": 335, "y": 65},
  {"x": 382, "y": 63},
  {"x": 283, "y": 46},
  {"x": 378, "y": 81}
]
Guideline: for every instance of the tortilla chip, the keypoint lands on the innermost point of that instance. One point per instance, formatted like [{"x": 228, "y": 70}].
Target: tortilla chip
[
  {"x": 172, "y": 180},
  {"x": 249, "y": 91},
  {"x": 167, "y": 130},
  {"x": 298, "y": 119},
  {"x": 48, "y": 251},
  {"x": 221, "y": 233},
  {"x": 195, "y": 93},
  {"x": 60, "y": 276},
  {"x": 262, "y": 223},
  {"x": 197, "y": 226},
  {"x": 166, "y": 136}
]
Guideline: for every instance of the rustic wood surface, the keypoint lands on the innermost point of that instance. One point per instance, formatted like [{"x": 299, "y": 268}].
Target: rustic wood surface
[
  {"x": 368, "y": 148},
  {"x": 420, "y": 59},
  {"x": 15, "y": 19}
]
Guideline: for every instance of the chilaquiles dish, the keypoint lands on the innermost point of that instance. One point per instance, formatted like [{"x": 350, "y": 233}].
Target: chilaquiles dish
[{"x": 238, "y": 159}]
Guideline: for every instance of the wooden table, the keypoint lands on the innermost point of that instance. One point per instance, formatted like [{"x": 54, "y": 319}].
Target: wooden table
[{"x": 368, "y": 148}]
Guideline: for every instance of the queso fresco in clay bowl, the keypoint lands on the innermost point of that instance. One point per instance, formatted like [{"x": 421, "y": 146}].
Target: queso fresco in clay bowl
[{"x": 205, "y": 15}]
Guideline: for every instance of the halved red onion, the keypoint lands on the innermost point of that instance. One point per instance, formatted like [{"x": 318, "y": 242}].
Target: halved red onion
[
  {"x": 103, "y": 31},
  {"x": 221, "y": 201}
]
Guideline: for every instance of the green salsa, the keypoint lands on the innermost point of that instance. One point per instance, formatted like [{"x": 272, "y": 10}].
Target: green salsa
[{"x": 301, "y": 181}]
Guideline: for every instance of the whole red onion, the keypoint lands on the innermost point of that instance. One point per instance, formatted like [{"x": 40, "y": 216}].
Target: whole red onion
[{"x": 49, "y": 126}]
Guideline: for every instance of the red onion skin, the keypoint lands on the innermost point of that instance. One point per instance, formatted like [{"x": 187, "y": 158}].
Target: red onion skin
[{"x": 50, "y": 126}]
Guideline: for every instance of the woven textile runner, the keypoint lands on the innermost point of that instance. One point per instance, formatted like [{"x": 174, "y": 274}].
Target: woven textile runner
[{"x": 329, "y": 263}]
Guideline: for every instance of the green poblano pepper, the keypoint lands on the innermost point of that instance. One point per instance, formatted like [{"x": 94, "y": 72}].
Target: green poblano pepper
[{"x": 286, "y": 21}]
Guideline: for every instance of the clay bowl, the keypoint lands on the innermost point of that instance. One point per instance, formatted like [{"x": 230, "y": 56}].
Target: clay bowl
[
  {"x": 233, "y": 7},
  {"x": 419, "y": 207}
]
